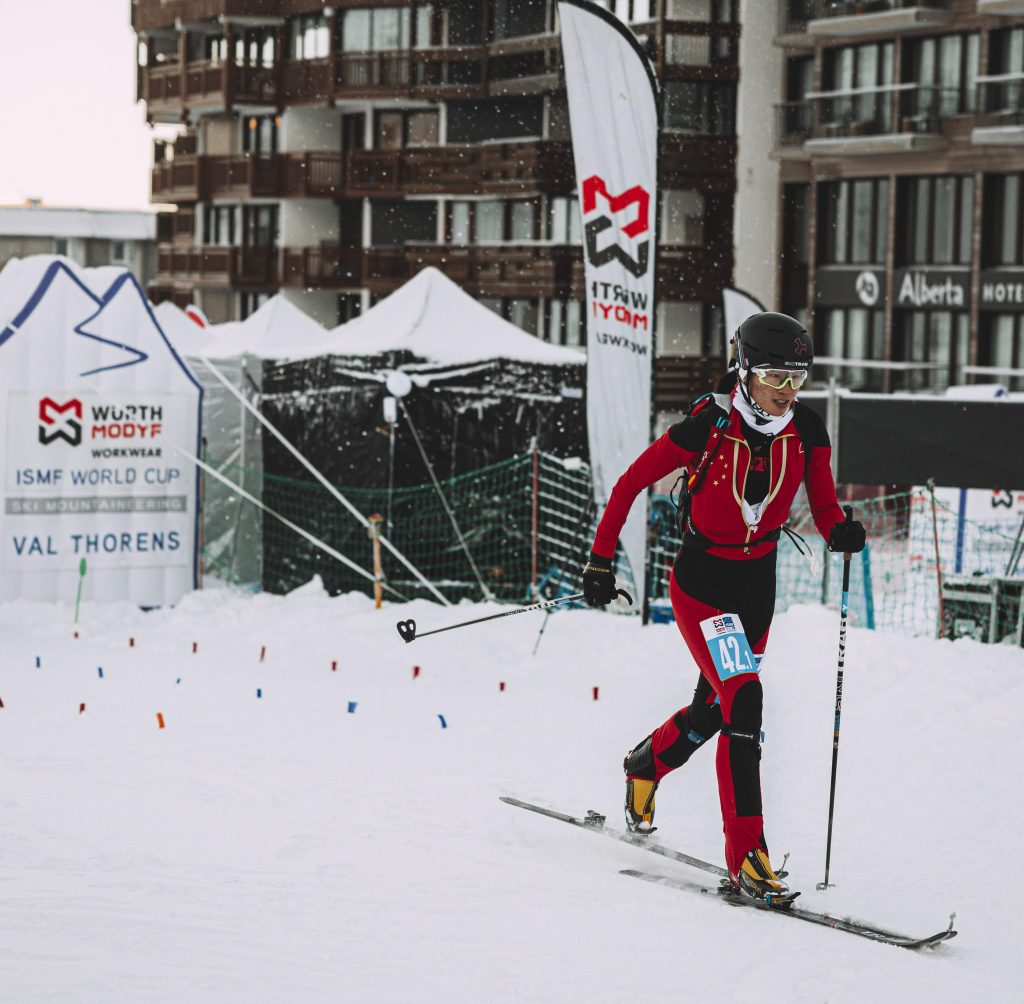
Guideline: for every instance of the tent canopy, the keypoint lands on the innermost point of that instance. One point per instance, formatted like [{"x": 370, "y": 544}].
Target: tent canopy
[
  {"x": 432, "y": 319},
  {"x": 277, "y": 330}
]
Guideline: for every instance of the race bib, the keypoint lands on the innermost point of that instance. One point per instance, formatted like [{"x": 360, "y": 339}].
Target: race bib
[{"x": 728, "y": 645}]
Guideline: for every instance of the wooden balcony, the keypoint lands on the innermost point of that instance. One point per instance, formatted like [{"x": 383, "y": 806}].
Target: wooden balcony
[
  {"x": 498, "y": 168},
  {"x": 324, "y": 267},
  {"x": 482, "y": 270},
  {"x": 679, "y": 379},
  {"x": 150, "y": 14},
  {"x": 171, "y": 89},
  {"x": 313, "y": 174},
  {"x": 519, "y": 270},
  {"x": 216, "y": 266}
]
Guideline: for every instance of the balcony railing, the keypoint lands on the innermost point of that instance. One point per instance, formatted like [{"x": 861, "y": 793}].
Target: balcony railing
[
  {"x": 149, "y": 14},
  {"x": 1001, "y": 97},
  {"x": 821, "y": 9},
  {"x": 207, "y": 83},
  {"x": 530, "y": 270},
  {"x": 216, "y": 265},
  {"x": 312, "y": 174},
  {"x": 325, "y": 267},
  {"x": 461, "y": 170},
  {"x": 891, "y": 110}
]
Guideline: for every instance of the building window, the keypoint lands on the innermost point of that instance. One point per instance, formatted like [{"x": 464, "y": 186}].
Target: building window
[
  {"x": 523, "y": 313},
  {"x": 794, "y": 250},
  {"x": 851, "y": 333},
  {"x": 259, "y": 134},
  {"x": 118, "y": 251},
  {"x": 1006, "y": 59},
  {"x": 680, "y": 328},
  {"x": 259, "y": 226},
  {"x": 395, "y": 130},
  {"x": 501, "y": 118},
  {"x": 249, "y": 303},
  {"x": 310, "y": 37},
  {"x": 60, "y": 246},
  {"x": 255, "y": 47},
  {"x": 852, "y": 218},
  {"x": 403, "y": 221},
  {"x": 938, "y": 338},
  {"x": 219, "y": 225},
  {"x": 513, "y": 18},
  {"x": 350, "y": 306},
  {"x": 1001, "y": 344},
  {"x": 700, "y": 108},
  {"x": 938, "y": 214},
  {"x": 563, "y": 322},
  {"x": 564, "y": 225},
  {"x": 493, "y": 221},
  {"x": 858, "y": 85},
  {"x": 1003, "y": 217},
  {"x": 682, "y": 217},
  {"x": 945, "y": 70},
  {"x": 375, "y": 29}
]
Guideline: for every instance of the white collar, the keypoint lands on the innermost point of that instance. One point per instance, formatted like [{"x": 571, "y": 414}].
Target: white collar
[{"x": 770, "y": 426}]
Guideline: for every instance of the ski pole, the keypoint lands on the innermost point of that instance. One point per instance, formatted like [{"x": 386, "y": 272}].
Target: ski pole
[
  {"x": 407, "y": 629},
  {"x": 844, "y": 610}
]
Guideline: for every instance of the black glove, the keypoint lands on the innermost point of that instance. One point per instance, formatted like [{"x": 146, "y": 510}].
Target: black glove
[
  {"x": 598, "y": 581},
  {"x": 847, "y": 537}
]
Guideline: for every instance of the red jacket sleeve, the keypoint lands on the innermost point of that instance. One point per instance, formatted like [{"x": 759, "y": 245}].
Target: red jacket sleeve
[
  {"x": 821, "y": 490},
  {"x": 659, "y": 459}
]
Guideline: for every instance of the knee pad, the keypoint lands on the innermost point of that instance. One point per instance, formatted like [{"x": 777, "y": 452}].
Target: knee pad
[
  {"x": 746, "y": 707},
  {"x": 704, "y": 720},
  {"x": 639, "y": 761}
]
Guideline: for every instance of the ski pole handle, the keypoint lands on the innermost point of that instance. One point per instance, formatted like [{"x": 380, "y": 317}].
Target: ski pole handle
[{"x": 407, "y": 628}]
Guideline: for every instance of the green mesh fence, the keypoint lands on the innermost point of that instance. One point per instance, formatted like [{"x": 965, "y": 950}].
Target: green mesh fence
[
  {"x": 529, "y": 520},
  {"x": 521, "y": 520}
]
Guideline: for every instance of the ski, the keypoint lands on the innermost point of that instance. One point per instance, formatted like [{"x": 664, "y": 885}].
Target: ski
[
  {"x": 846, "y": 924},
  {"x": 594, "y": 822}
]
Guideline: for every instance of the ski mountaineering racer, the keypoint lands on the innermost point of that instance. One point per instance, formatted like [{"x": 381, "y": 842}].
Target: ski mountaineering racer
[{"x": 746, "y": 449}]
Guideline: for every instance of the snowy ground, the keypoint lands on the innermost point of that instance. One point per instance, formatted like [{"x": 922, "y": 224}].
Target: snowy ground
[{"x": 281, "y": 848}]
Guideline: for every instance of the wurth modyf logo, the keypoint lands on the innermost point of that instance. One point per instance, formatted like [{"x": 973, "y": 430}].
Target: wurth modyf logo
[
  {"x": 58, "y": 421},
  {"x": 601, "y": 251}
]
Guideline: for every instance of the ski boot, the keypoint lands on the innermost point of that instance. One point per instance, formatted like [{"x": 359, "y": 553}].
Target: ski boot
[
  {"x": 757, "y": 879},
  {"x": 640, "y": 805},
  {"x": 640, "y": 788}
]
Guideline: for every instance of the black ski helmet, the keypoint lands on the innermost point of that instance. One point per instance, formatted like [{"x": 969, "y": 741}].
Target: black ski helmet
[{"x": 775, "y": 340}]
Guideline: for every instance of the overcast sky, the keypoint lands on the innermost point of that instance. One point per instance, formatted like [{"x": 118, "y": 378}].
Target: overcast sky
[{"x": 70, "y": 130}]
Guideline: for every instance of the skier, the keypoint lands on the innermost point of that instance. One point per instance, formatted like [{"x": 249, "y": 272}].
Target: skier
[{"x": 746, "y": 449}]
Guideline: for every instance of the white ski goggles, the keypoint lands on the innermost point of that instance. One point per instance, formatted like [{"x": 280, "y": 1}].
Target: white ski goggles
[{"x": 777, "y": 379}]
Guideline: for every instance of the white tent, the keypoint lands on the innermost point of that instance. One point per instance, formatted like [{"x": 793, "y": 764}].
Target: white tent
[
  {"x": 437, "y": 322},
  {"x": 232, "y": 437},
  {"x": 184, "y": 334}
]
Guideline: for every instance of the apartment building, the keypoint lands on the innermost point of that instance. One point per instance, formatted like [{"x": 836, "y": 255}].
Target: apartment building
[
  {"x": 332, "y": 151},
  {"x": 900, "y": 152},
  {"x": 90, "y": 237}
]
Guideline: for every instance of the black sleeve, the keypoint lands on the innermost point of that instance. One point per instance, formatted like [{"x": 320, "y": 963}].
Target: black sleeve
[
  {"x": 810, "y": 426},
  {"x": 692, "y": 432}
]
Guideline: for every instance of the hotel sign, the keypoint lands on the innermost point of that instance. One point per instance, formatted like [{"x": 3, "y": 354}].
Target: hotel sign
[
  {"x": 850, "y": 287},
  {"x": 1001, "y": 291},
  {"x": 930, "y": 289}
]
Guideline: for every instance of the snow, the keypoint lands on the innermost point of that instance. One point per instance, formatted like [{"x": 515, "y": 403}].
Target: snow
[
  {"x": 284, "y": 848},
  {"x": 434, "y": 319}
]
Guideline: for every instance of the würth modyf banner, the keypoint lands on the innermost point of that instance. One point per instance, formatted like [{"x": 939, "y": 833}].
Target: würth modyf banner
[
  {"x": 613, "y": 114},
  {"x": 96, "y": 406}
]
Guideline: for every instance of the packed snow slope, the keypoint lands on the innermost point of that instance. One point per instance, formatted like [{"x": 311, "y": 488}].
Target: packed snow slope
[{"x": 270, "y": 844}]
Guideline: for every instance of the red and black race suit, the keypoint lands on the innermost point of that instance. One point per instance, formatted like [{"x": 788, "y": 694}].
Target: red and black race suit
[{"x": 740, "y": 580}]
